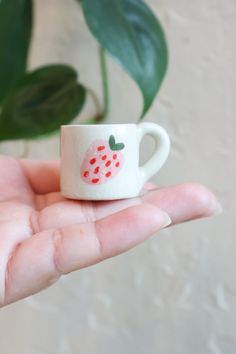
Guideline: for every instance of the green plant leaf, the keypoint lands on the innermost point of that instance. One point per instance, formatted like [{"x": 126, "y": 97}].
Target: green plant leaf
[
  {"x": 131, "y": 33},
  {"x": 42, "y": 101},
  {"x": 15, "y": 34}
]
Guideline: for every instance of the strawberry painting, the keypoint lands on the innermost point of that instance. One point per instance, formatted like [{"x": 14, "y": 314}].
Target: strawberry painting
[{"x": 103, "y": 161}]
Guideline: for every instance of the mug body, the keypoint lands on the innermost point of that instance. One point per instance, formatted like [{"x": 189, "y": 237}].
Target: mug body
[{"x": 100, "y": 162}]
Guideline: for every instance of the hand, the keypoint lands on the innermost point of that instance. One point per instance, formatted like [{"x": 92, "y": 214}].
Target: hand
[{"x": 43, "y": 235}]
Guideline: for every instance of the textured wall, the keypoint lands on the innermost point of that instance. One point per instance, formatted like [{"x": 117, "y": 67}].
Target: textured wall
[{"x": 175, "y": 294}]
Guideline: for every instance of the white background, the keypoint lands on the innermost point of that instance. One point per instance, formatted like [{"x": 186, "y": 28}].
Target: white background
[{"x": 175, "y": 294}]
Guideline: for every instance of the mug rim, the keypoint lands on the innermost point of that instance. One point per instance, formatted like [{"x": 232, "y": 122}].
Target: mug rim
[{"x": 97, "y": 125}]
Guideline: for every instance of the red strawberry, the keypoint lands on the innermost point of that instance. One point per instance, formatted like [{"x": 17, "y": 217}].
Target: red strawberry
[{"x": 102, "y": 161}]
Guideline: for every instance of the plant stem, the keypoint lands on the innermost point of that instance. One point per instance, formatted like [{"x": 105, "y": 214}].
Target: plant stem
[
  {"x": 104, "y": 77},
  {"x": 95, "y": 100}
]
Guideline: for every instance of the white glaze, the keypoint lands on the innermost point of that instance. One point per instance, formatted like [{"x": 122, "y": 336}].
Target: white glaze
[{"x": 77, "y": 139}]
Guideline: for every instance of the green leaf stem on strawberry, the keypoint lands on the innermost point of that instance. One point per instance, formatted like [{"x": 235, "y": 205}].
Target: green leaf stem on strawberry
[{"x": 115, "y": 146}]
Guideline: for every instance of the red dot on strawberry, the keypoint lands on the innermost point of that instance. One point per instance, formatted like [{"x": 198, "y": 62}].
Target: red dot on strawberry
[
  {"x": 96, "y": 170},
  {"x": 86, "y": 173},
  {"x": 108, "y": 174},
  {"x": 95, "y": 180},
  {"x": 92, "y": 161},
  {"x": 100, "y": 148},
  {"x": 108, "y": 163},
  {"x": 104, "y": 157},
  {"x": 114, "y": 156},
  {"x": 117, "y": 164}
]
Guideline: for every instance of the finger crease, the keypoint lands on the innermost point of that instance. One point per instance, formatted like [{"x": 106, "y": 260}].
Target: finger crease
[
  {"x": 8, "y": 273},
  {"x": 57, "y": 238},
  {"x": 88, "y": 212},
  {"x": 97, "y": 232},
  {"x": 34, "y": 221}
]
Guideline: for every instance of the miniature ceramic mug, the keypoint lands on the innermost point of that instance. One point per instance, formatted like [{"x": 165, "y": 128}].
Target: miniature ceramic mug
[{"x": 101, "y": 162}]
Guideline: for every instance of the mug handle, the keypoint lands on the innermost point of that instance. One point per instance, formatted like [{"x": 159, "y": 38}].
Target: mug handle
[{"x": 160, "y": 153}]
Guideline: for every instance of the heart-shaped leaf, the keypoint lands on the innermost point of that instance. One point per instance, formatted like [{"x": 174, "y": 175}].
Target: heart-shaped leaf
[
  {"x": 15, "y": 34},
  {"x": 132, "y": 34},
  {"x": 42, "y": 101},
  {"x": 115, "y": 146}
]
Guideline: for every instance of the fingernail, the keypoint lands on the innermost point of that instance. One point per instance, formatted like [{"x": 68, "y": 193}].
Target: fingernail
[
  {"x": 166, "y": 220},
  {"x": 216, "y": 207}
]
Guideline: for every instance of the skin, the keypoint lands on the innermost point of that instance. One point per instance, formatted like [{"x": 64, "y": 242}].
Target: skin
[{"x": 44, "y": 235}]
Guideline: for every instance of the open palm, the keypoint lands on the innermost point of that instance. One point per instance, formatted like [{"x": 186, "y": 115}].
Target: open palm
[{"x": 43, "y": 235}]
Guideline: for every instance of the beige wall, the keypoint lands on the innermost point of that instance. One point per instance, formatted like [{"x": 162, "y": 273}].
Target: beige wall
[{"x": 175, "y": 294}]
